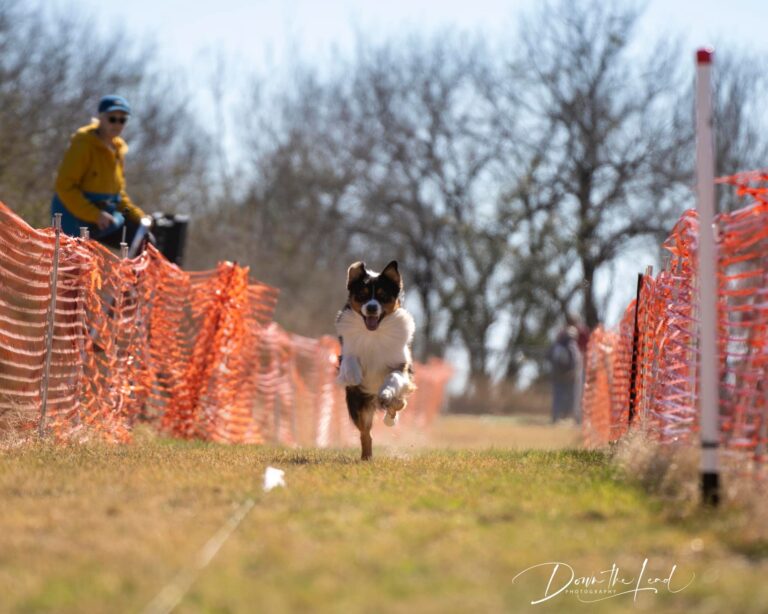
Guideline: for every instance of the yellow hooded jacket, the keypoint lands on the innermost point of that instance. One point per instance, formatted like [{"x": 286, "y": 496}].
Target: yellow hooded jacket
[{"x": 92, "y": 172}]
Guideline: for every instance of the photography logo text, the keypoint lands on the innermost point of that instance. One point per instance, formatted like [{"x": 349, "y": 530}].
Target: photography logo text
[{"x": 561, "y": 579}]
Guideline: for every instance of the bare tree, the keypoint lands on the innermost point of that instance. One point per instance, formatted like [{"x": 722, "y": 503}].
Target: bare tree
[
  {"x": 287, "y": 217},
  {"x": 740, "y": 89},
  {"x": 430, "y": 182},
  {"x": 505, "y": 188},
  {"x": 600, "y": 124}
]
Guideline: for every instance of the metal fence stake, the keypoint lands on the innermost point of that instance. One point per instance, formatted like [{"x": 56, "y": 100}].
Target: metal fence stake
[
  {"x": 51, "y": 321},
  {"x": 709, "y": 383}
]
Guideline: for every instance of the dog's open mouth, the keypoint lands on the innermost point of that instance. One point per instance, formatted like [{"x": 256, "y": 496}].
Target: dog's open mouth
[{"x": 371, "y": 322}]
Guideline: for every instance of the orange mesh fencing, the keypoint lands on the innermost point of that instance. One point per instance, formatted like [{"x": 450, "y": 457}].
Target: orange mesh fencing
[
  {"x": 194, "y": 354},
  {"x": 598, "y": 398},
  {"x": 665, "y": 383},
  {"x": 744, "y": 316}
]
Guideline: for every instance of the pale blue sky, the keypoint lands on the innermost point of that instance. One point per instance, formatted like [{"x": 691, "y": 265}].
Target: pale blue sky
[
  {"x": 264, "y": 33},
  {"x": 266, "y": 36}
]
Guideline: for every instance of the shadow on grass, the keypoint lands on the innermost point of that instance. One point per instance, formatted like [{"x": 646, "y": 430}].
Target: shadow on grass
[{"x": 312, "y": 457}]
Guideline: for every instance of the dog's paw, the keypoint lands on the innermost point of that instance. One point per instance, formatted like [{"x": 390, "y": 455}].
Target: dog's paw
[
  {"x": 390, "y": 419},
  {"x": 350, "y": 372},
  {"x": 389, "y": 400}
]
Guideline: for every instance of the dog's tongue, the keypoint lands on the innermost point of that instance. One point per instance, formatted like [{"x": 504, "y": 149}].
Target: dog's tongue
[{"x": 371, "y": 322}]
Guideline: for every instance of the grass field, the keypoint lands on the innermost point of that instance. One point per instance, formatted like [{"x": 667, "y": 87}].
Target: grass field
[{"x": 442, "y": 525}]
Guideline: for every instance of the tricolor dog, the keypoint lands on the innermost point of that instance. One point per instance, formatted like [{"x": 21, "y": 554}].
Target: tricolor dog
[{"x": 376, "y": 334}]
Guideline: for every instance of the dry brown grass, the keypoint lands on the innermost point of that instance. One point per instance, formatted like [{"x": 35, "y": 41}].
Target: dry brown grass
[
  {"x": 523, "y": 432},
  {"x": 12, "y": 428},
  {"x": 669, "y": 472},
  {"x": 95, "y": 528}
]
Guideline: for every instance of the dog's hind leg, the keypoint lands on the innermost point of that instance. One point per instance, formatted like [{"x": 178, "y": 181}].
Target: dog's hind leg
[
  {"x": 361, "y": 409},
  {"x": 365, "y": 424}
]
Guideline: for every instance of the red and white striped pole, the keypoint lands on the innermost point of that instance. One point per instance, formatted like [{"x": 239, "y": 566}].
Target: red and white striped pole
[{"x": 707, "y": 282}]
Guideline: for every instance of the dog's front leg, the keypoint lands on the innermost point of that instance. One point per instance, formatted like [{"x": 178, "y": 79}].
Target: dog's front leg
[
  {"x": 350, "y": 371},
  {"x": 391, "y": 395}
]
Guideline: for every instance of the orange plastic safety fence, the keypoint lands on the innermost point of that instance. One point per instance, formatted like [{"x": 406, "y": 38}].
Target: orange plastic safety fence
[
  {"x": 665, "y": 383},
  {"x": 597, "y": 402},
  {"x": 195, "y": 354},
  {"x": 743, "y": 262}
]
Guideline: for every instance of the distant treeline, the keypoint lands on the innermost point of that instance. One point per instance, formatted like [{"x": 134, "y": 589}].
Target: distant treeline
[{"x": 506, "y": 175}]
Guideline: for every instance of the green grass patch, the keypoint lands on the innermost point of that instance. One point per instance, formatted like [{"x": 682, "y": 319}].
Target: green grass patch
[{"x": 103, "y": 528}]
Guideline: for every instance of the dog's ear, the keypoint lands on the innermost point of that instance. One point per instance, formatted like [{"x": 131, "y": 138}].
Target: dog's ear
[
  {"x": 355, "y": 272},
  {"x": 391, "y": 272}
]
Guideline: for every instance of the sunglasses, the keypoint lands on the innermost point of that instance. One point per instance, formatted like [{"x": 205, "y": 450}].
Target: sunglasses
[{"x": 117, "y": 120}]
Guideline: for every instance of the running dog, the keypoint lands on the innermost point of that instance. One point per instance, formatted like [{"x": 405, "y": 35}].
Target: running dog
[{"x": 376, "y": 333}]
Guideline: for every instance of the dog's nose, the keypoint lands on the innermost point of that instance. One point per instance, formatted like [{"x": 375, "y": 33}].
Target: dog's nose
[{"x": 371, "y": 308}]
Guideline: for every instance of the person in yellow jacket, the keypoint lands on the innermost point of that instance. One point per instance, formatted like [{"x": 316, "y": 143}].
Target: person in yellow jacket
[{"x": 90, "y": 185}]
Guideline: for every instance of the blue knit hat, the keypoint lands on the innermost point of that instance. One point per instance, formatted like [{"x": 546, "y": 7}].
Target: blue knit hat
[{"x": 114, "y": 103}]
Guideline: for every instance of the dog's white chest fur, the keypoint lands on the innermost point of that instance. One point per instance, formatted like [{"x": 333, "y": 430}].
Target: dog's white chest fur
[{"x": 378, "y": 351}]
